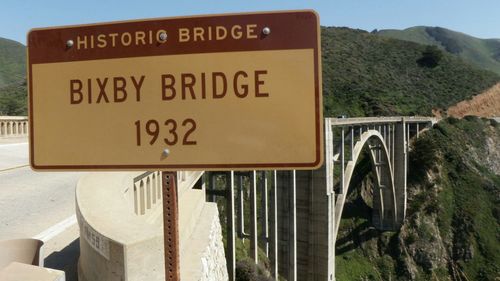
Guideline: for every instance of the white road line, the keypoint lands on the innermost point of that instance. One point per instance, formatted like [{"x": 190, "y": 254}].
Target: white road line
[
  {"x": 13, "y": 144},
  {"x": 56, "y": 229},
  {"x": 13, "y": 168}
]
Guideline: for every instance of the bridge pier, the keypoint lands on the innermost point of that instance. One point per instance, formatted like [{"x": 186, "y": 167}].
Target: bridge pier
[
  {"x": 230, "y": 226},
  {"x": 264, "y": 213},
  {"x": 273, "y": 239},
  {"x": 254, "y": 245},
  {"x": 287, "y": 225},
  {"x": 400, "y": 163},
  {"x": 315, "y": 226}
]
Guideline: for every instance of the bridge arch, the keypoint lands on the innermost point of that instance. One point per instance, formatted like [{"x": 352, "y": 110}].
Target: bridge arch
[{"x": 384, "y": 197}]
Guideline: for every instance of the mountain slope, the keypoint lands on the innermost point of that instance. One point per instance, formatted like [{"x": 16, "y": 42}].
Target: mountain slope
[
  {"x": 14, "y": 100},
  {"x": 486, "y": 104},
  {"x": 13, "y": 94},
  {"x": 484, "y": 53},
  {"x": 370, "y": 75},
  {"x": 452, "y": 225},
  {"x": 12, "y": 62}
]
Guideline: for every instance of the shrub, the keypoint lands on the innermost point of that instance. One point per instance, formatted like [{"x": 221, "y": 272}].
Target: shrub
[
  {"x": 452, "y": 120},
  {"x": 471, "y": 118},
  {"x": 422, "y": 158},
  {"x": 431, "y": 57},
  {"x": 494, "y": 123},
  {"x": 246, "y": 270}
]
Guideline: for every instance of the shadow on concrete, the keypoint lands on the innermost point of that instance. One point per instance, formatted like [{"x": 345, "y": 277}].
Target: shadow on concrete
[
  {"x": 66, "y": 260},
  {"x": 356, "y": 209}
]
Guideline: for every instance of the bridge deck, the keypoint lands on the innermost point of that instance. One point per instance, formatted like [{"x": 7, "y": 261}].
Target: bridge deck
[{"x": 381, "y": 120}]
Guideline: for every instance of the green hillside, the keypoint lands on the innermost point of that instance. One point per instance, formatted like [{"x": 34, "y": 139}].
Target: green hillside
[
  {"x": 13, "y": 99},
  {"x": 12, "y": 62},
  {"x": 13, "y": 94},
  {"x": 484, "y": 53},
  {"x": 370, "y": 75},
  {"x": 452, "y": 226}
]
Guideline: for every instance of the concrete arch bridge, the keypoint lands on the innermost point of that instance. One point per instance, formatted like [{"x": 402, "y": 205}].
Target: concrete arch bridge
[{"x": 294, "y": 216}]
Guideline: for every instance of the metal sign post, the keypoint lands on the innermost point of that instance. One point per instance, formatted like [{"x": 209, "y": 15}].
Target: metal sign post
[{"x": 171, "y": 226}]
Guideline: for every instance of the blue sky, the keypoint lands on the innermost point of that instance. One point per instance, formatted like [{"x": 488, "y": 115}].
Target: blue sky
[{"x": 479, "y": 18}]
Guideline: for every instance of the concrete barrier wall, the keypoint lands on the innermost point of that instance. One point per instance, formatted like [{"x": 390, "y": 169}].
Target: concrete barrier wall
[
  {"x": 12, "y": 126},
  {"x": 121, "y": 228}
]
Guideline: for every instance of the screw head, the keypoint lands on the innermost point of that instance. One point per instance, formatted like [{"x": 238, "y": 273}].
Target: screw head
[
  {"x": 163, "y": 36},
  {"x": 166, "y": 152},
  {"x": 69, "y": 43},
  {"x": 266, "y": 30}
]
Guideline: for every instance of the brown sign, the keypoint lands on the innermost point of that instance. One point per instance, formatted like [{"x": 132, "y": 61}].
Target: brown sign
[{"x": 216, "y": 92}]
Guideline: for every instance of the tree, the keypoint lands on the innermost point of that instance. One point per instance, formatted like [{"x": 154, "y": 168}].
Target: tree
[{"x": 431, "y": 57}]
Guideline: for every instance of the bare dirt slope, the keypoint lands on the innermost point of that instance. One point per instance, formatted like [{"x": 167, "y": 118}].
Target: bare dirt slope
[{"x": 486, "y": 104}]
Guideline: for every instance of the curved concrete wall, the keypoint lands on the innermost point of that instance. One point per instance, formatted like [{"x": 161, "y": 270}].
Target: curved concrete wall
[{"x": 121, "y": 228}]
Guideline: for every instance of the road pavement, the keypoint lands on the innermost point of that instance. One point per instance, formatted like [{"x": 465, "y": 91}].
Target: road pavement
[
  {"x": 13, "y": 154},
  {"x": 39, "y": 205}
]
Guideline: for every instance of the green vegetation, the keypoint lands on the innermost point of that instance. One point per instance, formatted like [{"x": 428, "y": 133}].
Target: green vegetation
[
  {"x": 469, "y": 196},
  {"x": 12, "y": 78},
  {"x": 484, "y": 53},
  {"x": 453, "y": 219},
  {"x": 355, "y": 266},
  {"x": 12, "y": 62},
  {"x": 13, "y": 100},
  {"x": 431, "y": 57},
  {"x": 370, "y": 75},
  {"x": 246, "y": 269}
]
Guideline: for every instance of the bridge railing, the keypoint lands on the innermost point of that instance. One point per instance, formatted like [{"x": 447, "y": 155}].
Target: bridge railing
[
  {"x": 147, "y": 192},
  {"x": 12, "y": 126}
]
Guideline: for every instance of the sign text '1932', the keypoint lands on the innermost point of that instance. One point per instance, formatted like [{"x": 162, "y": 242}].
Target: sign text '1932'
[{"x": 173, "y": 134}]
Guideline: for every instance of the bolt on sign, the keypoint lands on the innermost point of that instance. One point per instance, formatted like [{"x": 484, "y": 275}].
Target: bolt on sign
[{"x": 236, "y": 91}]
